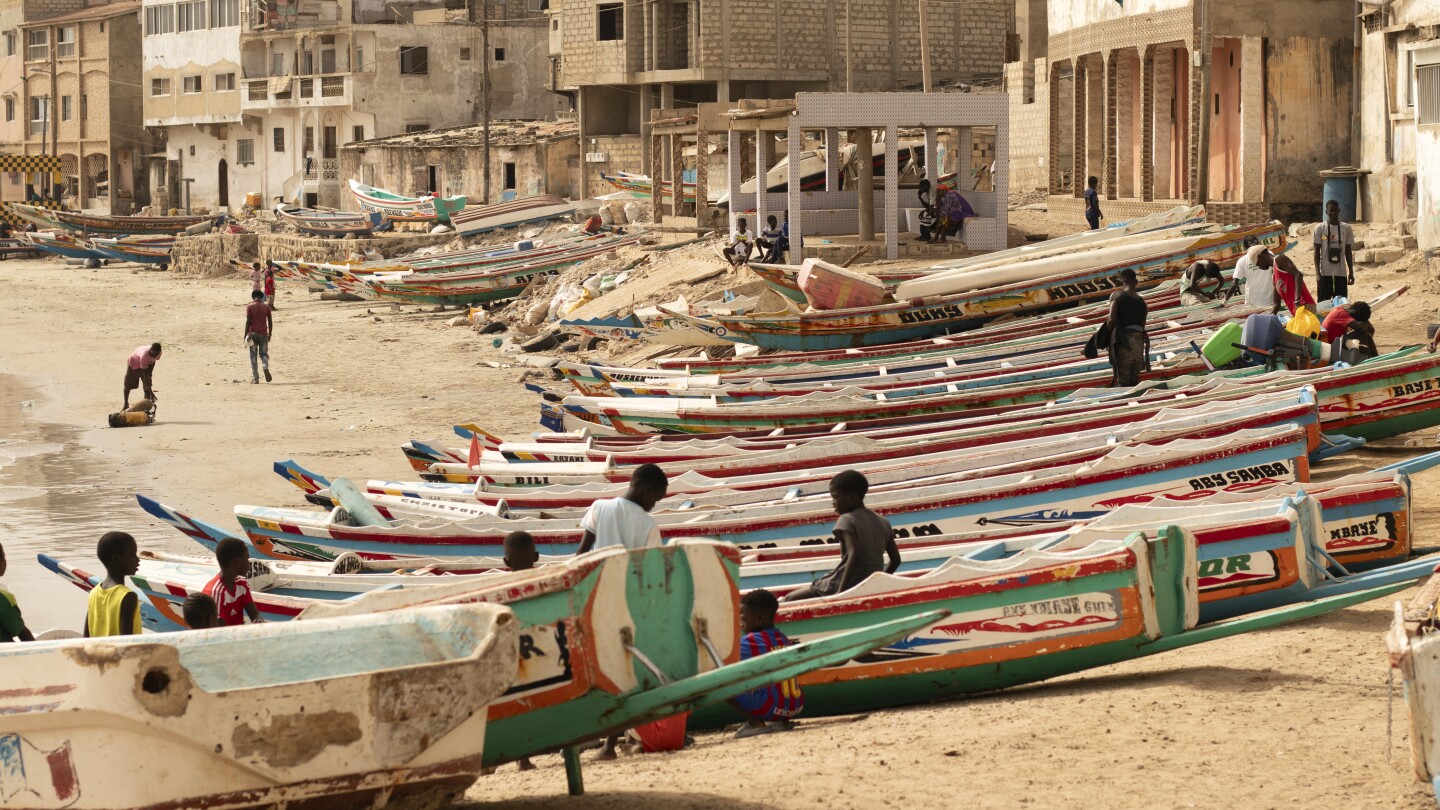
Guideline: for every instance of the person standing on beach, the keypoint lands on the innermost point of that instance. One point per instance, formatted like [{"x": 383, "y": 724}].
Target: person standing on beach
[
  {"x": 140, "y": 368},
  {"x": 270, "y": 284},
  {"x": 1129, "y": 344},
  {"x": 626, "y": 521},
  {"x": 1092, "y": 203},
  {"x": 258, "y": 326},
  {"x": 114, "y": 610},
  {"x": 1334, "y": 254}
]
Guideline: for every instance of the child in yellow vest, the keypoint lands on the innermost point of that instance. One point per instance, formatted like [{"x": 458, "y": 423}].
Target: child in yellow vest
[
  {"x": 114, "y": 609},
  {"x": 12, "y": 624}
]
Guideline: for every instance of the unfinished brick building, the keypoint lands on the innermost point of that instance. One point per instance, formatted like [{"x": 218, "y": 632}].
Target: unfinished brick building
[
  {"x": 1128, "y": 98},
  {"x": 621, "y": 59}
]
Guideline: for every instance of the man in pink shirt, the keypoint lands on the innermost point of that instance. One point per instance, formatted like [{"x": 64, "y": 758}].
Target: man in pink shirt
[{"x": 140, "y": 368}]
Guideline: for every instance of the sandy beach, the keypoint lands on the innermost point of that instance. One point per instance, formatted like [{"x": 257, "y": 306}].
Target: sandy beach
[{"x": 1293, "y": 717}]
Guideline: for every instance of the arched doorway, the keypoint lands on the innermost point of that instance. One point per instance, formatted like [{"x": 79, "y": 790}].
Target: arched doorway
[{"x": 224, "y": 183}]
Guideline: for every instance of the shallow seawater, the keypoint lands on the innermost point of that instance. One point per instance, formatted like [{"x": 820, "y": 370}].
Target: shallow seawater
[{"x": 56, "y": 497}]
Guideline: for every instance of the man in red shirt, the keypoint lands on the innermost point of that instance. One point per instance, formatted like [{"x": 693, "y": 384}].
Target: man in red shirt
[
  {"x": 258, "y": 326},
  {"x": 1290, "y": 287},
  {"x": 1351, "y": 321},
  {"x": 140, "y": 368},
  {"x": 228, "y": 588}
]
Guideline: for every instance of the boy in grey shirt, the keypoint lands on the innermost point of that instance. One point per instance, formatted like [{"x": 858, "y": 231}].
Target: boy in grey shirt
[{"x": 865, "y": 538}]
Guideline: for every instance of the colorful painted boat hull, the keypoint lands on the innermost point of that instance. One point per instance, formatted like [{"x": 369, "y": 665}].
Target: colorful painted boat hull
[{"x": 405, "y": 209}]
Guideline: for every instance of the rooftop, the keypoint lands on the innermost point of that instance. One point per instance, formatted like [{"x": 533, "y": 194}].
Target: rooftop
[{"x": 502, "y": 133}]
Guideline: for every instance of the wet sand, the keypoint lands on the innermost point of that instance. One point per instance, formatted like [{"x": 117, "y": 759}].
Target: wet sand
[{"x": 1291, "y": 717}]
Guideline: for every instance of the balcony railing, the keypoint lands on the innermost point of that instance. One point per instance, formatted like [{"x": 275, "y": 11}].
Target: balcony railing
[{"x": 291, "y": 91}]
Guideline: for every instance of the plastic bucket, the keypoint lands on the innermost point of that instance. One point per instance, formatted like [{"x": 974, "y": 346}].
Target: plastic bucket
[
  {"x": 253, "y": 199},
  {"x": 663, "y": 735}
]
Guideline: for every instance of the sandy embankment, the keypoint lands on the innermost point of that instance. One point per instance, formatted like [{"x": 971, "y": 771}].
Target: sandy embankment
[{"x": 1290, "y": 717}]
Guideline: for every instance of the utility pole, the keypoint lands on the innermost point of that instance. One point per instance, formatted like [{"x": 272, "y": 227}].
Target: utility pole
[
  {"x": 849, "y": 48},
  {"x": 485, "y": 100},
  {"x": 924, "y": 49},
  {"x": 1202, "y": 62}
]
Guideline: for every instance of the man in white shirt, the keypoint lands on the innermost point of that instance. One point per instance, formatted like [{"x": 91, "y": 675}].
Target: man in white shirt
[
  {"x": 626, "y": 521},
  {"x": 1256, "y": 271},
  {"x": 1334, "y": 255}
]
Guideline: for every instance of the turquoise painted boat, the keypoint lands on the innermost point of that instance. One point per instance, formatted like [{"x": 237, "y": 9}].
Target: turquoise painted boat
[{"x": 405, "y": 209}]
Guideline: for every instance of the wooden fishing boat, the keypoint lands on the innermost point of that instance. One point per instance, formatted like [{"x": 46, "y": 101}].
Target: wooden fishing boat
[
  {"x": 16, "y": 248},
  {"x": 1385, "y": 396},
  {"x": 932, "y": 505},
  {"x": 61, "y": 243},
  {"x": 511, "y": 214},
  {"x": 1003, "y": 629},
  {"x": 405, "y": 209},
  {"x": 82, "y": 223},
  {"x": 1415, "y": 651},
  {"x": 333, "y": 224},
  {"x": 910, "y": 320},
  {"x": 301, "y": 723},
  {"x": 640, "y": 185},
  {"x": 138, "y": 249}
]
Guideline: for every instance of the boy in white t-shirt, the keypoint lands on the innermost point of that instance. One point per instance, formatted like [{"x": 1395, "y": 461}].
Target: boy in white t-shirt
[{"x": 626, "y": 521}]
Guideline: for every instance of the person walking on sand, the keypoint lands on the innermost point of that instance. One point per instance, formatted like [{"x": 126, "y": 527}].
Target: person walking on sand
[
  {"x": 140, "y": 369},
  {"x": 1092, "y": 203},
  {"x": 258, "y": 326},
  {"x": 270, "y": 285}
]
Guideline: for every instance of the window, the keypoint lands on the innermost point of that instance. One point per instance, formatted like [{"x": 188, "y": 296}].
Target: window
[
  {"x": 357, "y": 133},
  {"x": 309, "y": 148},
  {"x": 65, "y": 111},
  {"x": 191, "y": 85},
  {"x": 279, "y": 139},
  {"x": 224, "y": 82},
  {"x": 160, "y": 19},
  {"x": 9, "y": 109},
  {"x": 414, "y": 61},
  {"x": 1406, "y": 80},
  {"x": 416, "y": 128},
  {"x": 1427, "y": 91},
  {"x": 245, "y": 151},
  {"x": 464, "y": 54},
  {"x": 610, "y": 22},
  {"x": 38, "y": 45},
  {"x": 159, "y": 87},
  {"x": 65, "y": 42},
  {"x": 555, "y": 24},
  {"x": 190, "y": 16},
  {"x": 9, "y": 43},
  {"x": 509, "y": 184},
  {"x": 499, "y": 54},
  {"x": 224, "y": 13},
  {"x": 277, "y": 64},
  {"x": 39, "y": 114},
  {"x": 359, "y": 58}
]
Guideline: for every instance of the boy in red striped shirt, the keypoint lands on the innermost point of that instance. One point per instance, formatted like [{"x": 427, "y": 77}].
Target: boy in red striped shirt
[
  {"x": 768, "y": 708},
  {"x": 228, "y": 588}
]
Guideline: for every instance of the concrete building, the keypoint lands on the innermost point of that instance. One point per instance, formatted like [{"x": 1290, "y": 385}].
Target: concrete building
[
  {"x": 192, "y": 100},
  {"x": 1400, "y": 116},
  {"x": 1232, "y": 103},
  {"x": 80, "y": 98},
  {"x": 620, "y": 60},
  {"x": 526, "y": 158},
  {"x": 319, "y": 74},
  {"x": 12, "y": 122}
]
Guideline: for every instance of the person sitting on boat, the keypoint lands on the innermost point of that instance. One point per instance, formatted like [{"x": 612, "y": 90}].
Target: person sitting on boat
[
  {"x": 738, "y": 251},
  {"x": 140, "y": 369},
  {"x": 1129, "y": 347},
  {"x": 954, "y": 210},
  {"x": 12, "y": 624},
  {"x": 626, "y": 521},
  {"x": 520, "y": 555},
  {"x": 200, "y": 612},
  {"x": 1290, "y": 289},
  {"x": 771, "y": 241},
  {"x": 1201, "y": 283},
  {"x": 865, "y": 539},
  {"x": 771, "y": 707},
  {"x": 229, "y": 588},
  {"x": 928, "y": 215},
  {"x": 1351, "y": 322},
  {"x": 114, "y": 610}
]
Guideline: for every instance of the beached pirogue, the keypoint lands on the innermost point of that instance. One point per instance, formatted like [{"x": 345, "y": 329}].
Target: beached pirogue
[{"x": 617, "y": 638}]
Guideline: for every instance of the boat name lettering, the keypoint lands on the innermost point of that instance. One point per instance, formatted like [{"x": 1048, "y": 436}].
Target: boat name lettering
[
  {"x": 1085, "y": 287},
  {"x": 1256, "y": 473},
  {"x": 528, "y": 276},
  {"x": 1069, "y": 606},
  {"x": 1225, "y": 565},
  {"x": 944, "y": 313},
  {"x": 1412, "y": 388},
  {"x": 1361, "y": 528},
  {"x": 530, "y": 480}
]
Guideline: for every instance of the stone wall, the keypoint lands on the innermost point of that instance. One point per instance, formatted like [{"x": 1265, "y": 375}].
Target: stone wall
[
  {"x": 210, "y": 255},
  {"x": 1029, "y": 89}
]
